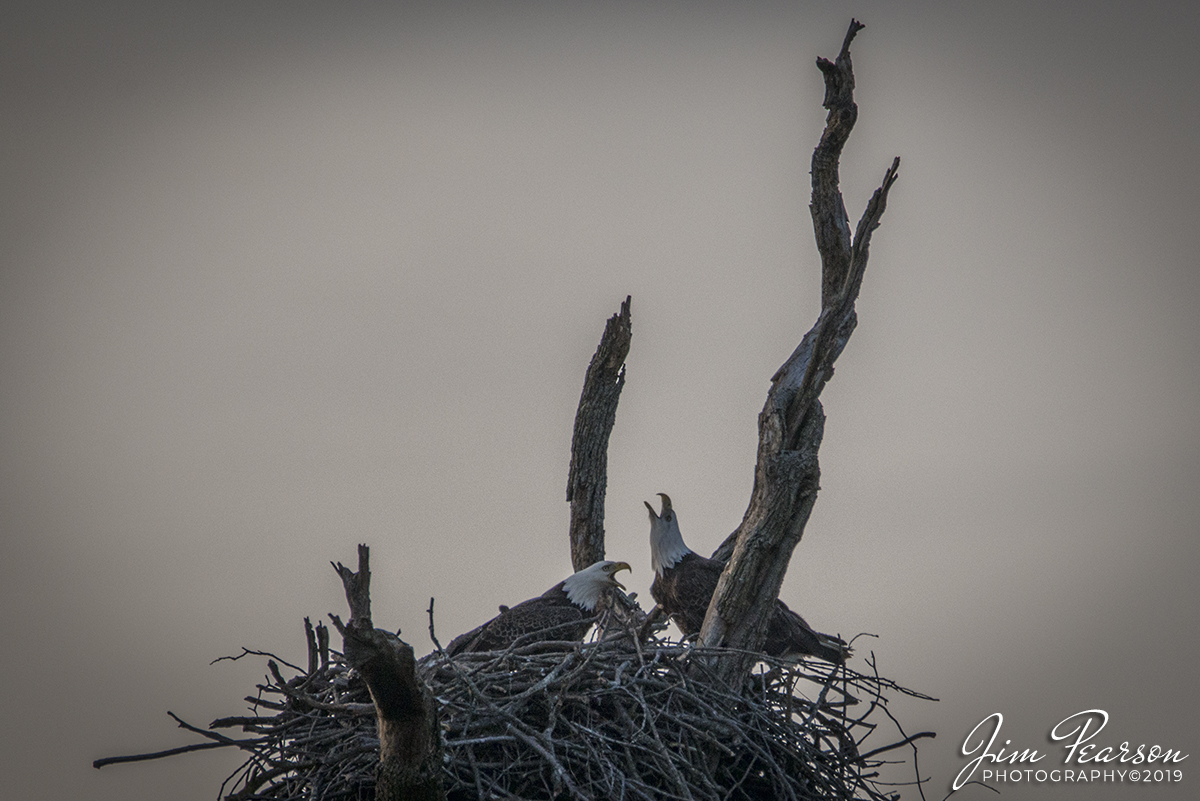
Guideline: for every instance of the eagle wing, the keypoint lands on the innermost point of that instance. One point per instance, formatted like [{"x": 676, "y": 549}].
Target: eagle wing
[
  {"x": 789, "y": 636},
  {"x": 685, "y": 590}
]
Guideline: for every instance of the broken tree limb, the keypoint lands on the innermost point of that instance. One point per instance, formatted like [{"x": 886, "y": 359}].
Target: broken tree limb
[
  {"x": 594, "y": 419},
  {"x": 410, "y": 743},
  {"x": 792, "y": 422}
]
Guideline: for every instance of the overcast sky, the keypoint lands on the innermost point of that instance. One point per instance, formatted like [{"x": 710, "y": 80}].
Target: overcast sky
[{"x": 279, "y": 278}]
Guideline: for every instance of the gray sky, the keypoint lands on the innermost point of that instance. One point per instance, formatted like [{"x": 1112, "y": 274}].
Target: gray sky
[{"x": 277, "y": 279}]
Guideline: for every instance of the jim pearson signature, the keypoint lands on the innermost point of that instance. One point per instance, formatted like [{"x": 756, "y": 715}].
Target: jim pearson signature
[{"x": 1077, "y": 731}]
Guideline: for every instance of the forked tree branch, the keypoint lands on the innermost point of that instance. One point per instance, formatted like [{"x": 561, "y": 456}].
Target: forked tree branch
[{"x": 791, "y": 424}]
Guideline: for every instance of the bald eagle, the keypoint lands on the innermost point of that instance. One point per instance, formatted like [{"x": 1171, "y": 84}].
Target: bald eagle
[
  {"x": 563, "y": 612},
  {"x": 684, "y": 582}
]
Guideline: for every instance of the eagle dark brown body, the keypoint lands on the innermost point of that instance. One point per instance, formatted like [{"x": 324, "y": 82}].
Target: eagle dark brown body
[
  {"x": 551, "y": 616},
  {"x": 683, "y": 591},
  {"x": 564, "y": 612}
]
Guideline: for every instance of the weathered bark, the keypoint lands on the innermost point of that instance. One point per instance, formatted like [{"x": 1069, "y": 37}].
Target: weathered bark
[
  {"x": 791, "y": 424},
  {"x": 588, "y": 477},
  {"x": 410, "y": 744}
]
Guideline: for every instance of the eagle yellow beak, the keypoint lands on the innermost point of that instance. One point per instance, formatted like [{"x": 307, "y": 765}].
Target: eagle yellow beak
[
  {"x": 618, "y": 566},
  {"x": 666, "y": 505}
]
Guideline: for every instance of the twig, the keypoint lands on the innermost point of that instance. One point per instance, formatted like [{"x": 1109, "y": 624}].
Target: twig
[
  {"x": 432, "y": 636},
  {"x": 250, "y": 652},
  {"x": 183, "y": 749}
]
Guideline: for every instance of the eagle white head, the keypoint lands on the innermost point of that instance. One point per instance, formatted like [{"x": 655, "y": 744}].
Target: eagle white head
[
  {"x": 585, "y": 587},
  {"x": 666, "y": 543}
]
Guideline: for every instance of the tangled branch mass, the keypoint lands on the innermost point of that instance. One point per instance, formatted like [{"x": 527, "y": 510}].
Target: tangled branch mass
[{"x": 609, "y": 719}]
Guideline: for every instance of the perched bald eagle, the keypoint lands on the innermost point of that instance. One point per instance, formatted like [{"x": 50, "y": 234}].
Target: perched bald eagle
[
  {"x": 684, "y": 582},
  {"x": 563, "y": 612}
]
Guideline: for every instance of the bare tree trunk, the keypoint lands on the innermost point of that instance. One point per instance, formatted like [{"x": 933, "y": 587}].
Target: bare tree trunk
[
  {"x": 791, "y": 424},
  {"x": 410, "y": 744},
  {"x": 594, "y": 419}
]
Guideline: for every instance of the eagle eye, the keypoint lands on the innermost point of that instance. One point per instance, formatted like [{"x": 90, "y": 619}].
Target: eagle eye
[{"x": 667, "y": 517}]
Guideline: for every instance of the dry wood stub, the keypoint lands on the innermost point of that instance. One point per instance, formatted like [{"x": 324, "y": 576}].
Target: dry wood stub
[
  {"x": 410, "y": 744},
  {"x": 587, "y": 480}
]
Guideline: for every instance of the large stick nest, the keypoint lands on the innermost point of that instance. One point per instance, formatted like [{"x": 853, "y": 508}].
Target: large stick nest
[{"x": 609, "y": 719}]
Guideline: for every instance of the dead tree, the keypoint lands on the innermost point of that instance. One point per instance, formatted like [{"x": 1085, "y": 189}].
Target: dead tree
[
  {"x": 587, "y": 480},
  {"x": 791, "y": 424},
  {"x": 639, "y": 716},
  {"x": 410, "y": 743}
]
